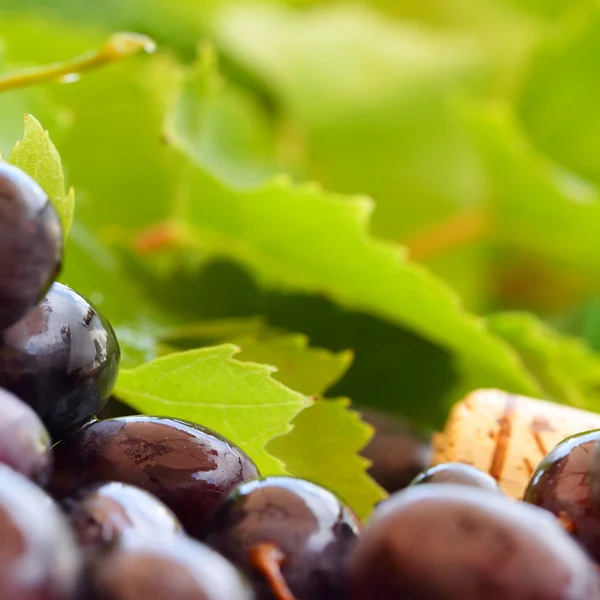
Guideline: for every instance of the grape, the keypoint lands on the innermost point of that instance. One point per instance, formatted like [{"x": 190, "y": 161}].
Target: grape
[
  {"x": 290, "y": 537},
  {"x": 24, "y": 441},
  {"x": 30, "y": 244},
  {"x": 38, "y": 559},
  {"x": 561, "y": 484},
  {"x": 460, "y": 474},
  {"x": 451, "y": 542},
  {"x": 102, "y": 513},
  {"x": 186, "y": 466},
  {"x": 397, "y": 452},
  {"x": 175, "y": 569},
  {"x": 62, "y": 359}
]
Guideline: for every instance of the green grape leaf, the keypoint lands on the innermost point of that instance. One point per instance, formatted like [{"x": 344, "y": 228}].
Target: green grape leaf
[
  {"x": 222, "y": 124},
  {"x": 219, "y": 301},
  {"x": 238, "y": 399},
  {"x": 567, "y": 370},
  {"x": 589, "y": 315},
  {"x": 216, "y": 330},
  {"x": 323, "y": 447},
  {"x": 336, "y": 433},
  {"x": 557, "y": 103},
  {"x": 135, "y": 93},
  {"x": 38, "y": 157},
  {"x": 372, "y": 104},
  {"x": 485, "y": 17},
  {"x": 303, "y": 239},
  {"x": 179, "y": 24},
  {"x": 537, "y": 206},
  {"x": 311, "y": 371}
]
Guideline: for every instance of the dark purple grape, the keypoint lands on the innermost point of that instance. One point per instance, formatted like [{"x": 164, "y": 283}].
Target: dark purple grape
[
  {"x": 451, "y": 542},
  {"x": 30, "y": 244},
  {"x": 172, "y": 569},
  {"x": 62, "y": 359},
  {"x": 102, "y": 513},
  {"x": 397, "y": 452},
  {"x": 459, "y": 474},
  {"x": 24, "y": 441},
  {"x": 561, "y": 485},
  {"x": 186, "y": 466},
  {"x": 38, "y": 558},
  {"x": 287, "y": 535}
]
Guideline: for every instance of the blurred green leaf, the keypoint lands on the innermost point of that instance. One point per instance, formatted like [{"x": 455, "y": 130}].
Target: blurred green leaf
[
  {"x": 110, "y": 132},
  {"x": 559, "y": 98},
  {"x": 375, "y": 107},
  {"x": 373, "y": 104},
  {"x": 536, "y": 205},
  {"x": 309, "y": 370},
  {"x": 283, "y": 234},
  {"x": 37, "y": 156},
  {"x": 568, "y": 371},
  {"x": 238, "y": 399},
  {"x": 179, "y": 24},
  {"x": 393, "y": 369},
  {"x": 214, "y": 330},
  {"x": 336, "y": 433},
  {"x": 114, "y": 152},
  {"x": 223, "y": 125},
  {"x": 323, "y": 447}
]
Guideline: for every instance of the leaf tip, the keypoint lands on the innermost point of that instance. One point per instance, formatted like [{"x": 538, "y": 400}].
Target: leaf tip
[
  {"x": 123, "y": 43},
  {"x": 31, "y": 123}
]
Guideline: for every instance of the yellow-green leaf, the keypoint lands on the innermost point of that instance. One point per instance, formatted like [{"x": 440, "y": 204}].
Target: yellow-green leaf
[
  {"x": 304, "y": 239},
  {"x": 38, "y": 157},
  {"x": 566, "y": 368},
  {"x": 323, "y": 447},
  {"x": 309, "y": 370}
]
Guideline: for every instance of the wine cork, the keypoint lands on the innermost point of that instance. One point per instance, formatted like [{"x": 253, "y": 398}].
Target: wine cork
[{"x": 507, "y": 435}]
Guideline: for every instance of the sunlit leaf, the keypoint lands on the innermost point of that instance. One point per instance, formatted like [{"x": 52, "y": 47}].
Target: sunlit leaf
[{"x": 238, "y": 399}]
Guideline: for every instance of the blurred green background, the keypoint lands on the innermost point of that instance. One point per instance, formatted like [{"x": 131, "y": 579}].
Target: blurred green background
[{"x": 472, "y": 124}]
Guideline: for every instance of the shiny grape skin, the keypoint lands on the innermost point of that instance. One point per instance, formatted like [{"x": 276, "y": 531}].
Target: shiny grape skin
[
  {"x": 561, "y": 485},
  {"x": 62, "y": 359},
  {"x": 451, "y": 542},
  {"x": 31, "y": 243},
  {"x": 38, "y": 557},
  {"x": 307, "y": 524},
  {"x": 459, "y": 474},
  {"x": 24, "y": 441},
  {"x": 186, "y": 466},
  {"x": 101, "y": 514},
  {"x": 174, "y": 569}
]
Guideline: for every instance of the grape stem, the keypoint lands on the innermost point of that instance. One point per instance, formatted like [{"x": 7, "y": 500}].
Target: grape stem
[
  {"x": 268, "y": 558},
  {"x": 158, "y": 237},
  {"x": 118, "y": 46},
  {"x": 457, "y": 231}
]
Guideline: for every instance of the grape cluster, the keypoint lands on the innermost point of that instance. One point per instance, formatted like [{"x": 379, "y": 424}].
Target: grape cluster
[{"x": 142, "y": 507}]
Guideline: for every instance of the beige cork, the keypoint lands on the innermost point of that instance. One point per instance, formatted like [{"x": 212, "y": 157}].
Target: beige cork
[{"x": 507, "y": 435}]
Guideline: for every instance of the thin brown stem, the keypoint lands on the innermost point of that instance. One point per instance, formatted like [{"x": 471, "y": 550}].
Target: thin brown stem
[
  {"x": 458, "y": 230},
  {"x": 268, "y": 558},
  {"x": 162, "y": 236}
]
